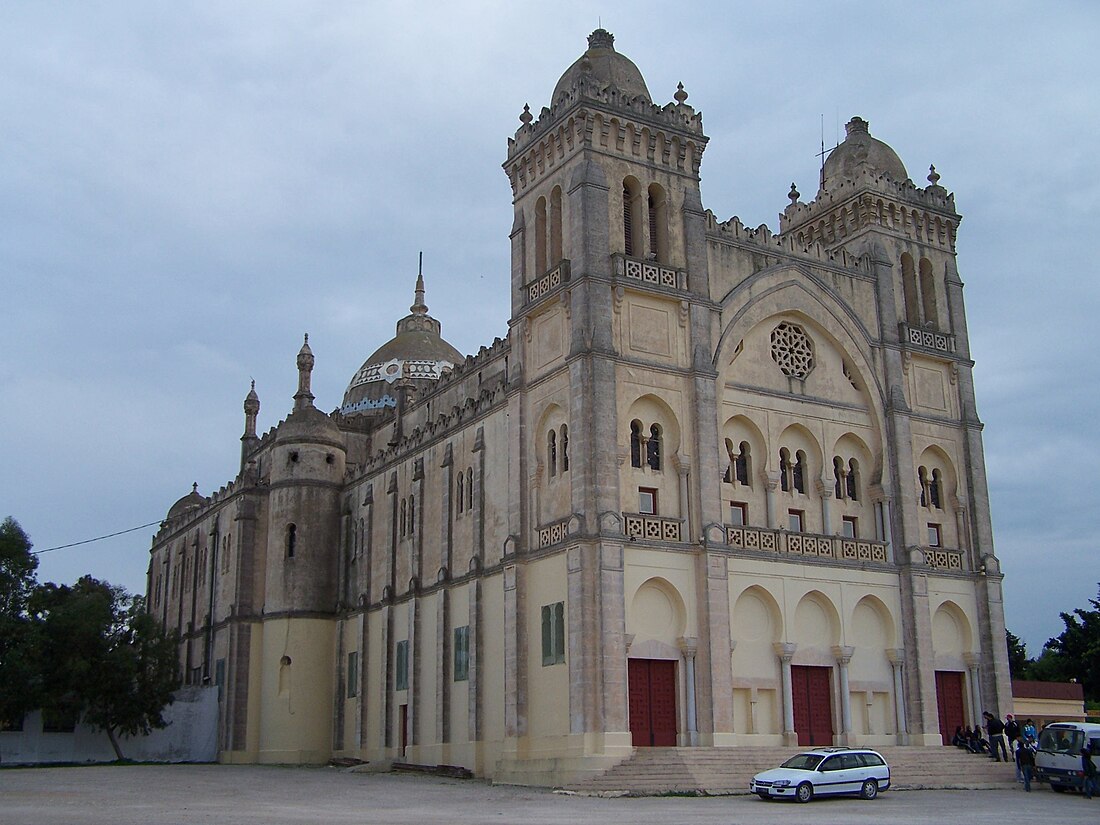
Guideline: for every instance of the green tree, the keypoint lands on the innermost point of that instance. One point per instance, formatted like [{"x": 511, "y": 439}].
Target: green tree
[
  {"x": 104, "y": 657},
  {"x": 19, "y": 682},
  {"x": 1077, "y": 649},
  {"x": 1018, "y": 662}
]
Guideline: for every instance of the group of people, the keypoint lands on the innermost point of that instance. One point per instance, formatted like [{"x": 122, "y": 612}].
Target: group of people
[{"x": 1002, "y": 737}]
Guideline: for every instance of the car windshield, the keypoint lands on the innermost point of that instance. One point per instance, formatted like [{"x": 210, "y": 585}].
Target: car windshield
[
  {"x": 803, "y": 762},
  {"x": 1066, "y": 740}
]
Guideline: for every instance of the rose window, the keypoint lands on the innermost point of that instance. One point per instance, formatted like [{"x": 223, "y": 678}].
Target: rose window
[{"x": 792, "y": 350}]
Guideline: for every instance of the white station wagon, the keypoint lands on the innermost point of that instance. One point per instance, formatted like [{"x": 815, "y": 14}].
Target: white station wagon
[{"x": 824, "y": 771}]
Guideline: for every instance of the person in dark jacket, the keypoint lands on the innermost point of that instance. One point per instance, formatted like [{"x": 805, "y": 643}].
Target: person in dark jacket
[
  {"x": 1025, "y": 762},
  {"x": 1088, "y": 768},
  {"x": 1012, "y": 733},
  {"x": 996, "y": 730}
]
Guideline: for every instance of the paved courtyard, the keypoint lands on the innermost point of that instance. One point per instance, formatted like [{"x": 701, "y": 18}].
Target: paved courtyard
[{"x": 240, "y": 795}]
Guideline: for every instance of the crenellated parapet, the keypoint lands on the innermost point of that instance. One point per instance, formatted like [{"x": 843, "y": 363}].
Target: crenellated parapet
[
  {"x": 761, "y": 237},
  {"x": 872, "y": 199}
]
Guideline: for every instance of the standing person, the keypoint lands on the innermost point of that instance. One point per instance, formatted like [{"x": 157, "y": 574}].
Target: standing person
[
  {"x": 1012, "y": 732},
  {"x": 1088, "y": 768},
  {"x": 1025, "y": 761},
  {"x": 1029, "y": 732},
  {"x": 996, "y": 730}
]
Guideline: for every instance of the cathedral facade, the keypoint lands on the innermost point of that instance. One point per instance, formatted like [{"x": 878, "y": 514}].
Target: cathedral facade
[{"x": 718, "y": 486}]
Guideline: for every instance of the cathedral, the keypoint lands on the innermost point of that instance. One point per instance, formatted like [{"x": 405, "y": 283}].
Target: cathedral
[{"x": 717, "y": 486}]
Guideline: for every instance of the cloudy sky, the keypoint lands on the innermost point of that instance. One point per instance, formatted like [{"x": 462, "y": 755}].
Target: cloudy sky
[{"x": 186, "y": 188}]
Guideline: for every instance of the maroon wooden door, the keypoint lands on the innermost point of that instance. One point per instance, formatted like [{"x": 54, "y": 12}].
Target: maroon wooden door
[
  {"x": 949, "y": 702},
  {"x": 652, "y": 696},
  {"x": 813, "y": 706}
]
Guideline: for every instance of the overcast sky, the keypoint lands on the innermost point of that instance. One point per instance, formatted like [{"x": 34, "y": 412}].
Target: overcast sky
[{"x": 186, "y": 188}]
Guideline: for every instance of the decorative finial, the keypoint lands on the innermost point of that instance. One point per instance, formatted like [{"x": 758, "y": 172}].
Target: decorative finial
[
  {"x": 253, "y": 387},
  {"x": 794, "y": 194},
  {"x": 680, "y": 95},
  {"x": 526, "y": 117},
  {"x": 194, "y": 488},
  {"x": 419, "y": 307},
  {"x": 856, "y": 124},
  {"x": 933, "y": 175},
  {"x": 601, "y": 39}
]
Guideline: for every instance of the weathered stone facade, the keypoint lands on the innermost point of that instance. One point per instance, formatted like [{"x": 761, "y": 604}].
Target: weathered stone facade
[{"x": 718, "y": 486}]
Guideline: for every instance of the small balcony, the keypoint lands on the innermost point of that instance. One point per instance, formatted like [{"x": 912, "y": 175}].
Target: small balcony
[
  {"x": 651, "y": 273},
  {"x": 929, "y": 339},
  {"x": 646, "y": 527},
  {"x": 549, "y": 282},
  {"x": 813, "y": 545}
]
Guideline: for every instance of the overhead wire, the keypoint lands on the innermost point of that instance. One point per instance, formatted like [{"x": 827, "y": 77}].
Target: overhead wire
[{"x": 97, "y": 538}]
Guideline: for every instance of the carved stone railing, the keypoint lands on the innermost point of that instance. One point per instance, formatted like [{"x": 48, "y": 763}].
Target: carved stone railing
[
  {"x": 943, "y": 559},
  {"x": 548, "y": 282},
  {"x": 552, "y": 534},
  {"x": 927, "y": 338},
  {"x": 649, "y": 272},
  {"x": 652, "y": 528},
  {"x": 805, "y": 544}
]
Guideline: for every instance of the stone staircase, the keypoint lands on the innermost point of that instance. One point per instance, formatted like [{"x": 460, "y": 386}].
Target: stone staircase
[{"x": 724, "y": 771}]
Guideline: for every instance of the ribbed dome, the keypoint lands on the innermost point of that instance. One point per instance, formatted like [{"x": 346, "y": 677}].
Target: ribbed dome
[
  {"x": 606, "y": 65},
  {"x": 191, "y": 501},
  {"x": 417, "y": 351},
  {"x": 860, "y": 151}
]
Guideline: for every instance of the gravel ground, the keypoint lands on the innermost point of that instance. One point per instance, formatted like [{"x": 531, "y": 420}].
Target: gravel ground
[{"x": 251, "y": 795}]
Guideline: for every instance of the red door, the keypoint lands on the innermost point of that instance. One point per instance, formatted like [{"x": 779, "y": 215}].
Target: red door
[
  {"x": 652, "y": 696},
  {"x": 813, "y": 706},
  {"x": 949, "y": 702}
]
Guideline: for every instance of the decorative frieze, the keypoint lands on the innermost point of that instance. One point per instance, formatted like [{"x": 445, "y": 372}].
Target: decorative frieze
[
  {"x": 548, "y": 282},
  {"x": 927, "y": 338},
  {"x": 652, "y": 528},
  {"x": 805, "y": 544}
]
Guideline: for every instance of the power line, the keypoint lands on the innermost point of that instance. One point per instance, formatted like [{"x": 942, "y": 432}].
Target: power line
[{"x": 98, "y": 538}]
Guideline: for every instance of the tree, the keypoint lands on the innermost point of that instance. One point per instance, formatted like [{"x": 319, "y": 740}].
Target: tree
[
  {"x": 1077, "y": 649},
  {"x": 19, "y": 683},
  {"x": 1018, "y": 662},
  {"x": 103, "y": 656}
]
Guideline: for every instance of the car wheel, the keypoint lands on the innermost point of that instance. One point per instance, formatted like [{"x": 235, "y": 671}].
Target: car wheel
[
  {"x": 1058, "y": 788},
  {"x": 764, "y": 796},
  {"x": 804, "y": 792},
  {"x": 869, "y": 789}
]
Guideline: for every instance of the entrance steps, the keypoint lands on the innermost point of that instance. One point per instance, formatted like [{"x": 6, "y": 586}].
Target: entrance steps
[{"x": 725, "y": 771}]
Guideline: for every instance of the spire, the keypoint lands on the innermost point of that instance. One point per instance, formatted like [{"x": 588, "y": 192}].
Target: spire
[
  {"x": 419, "y": 307},
  {"x": 304, "y": 398},
  {"x": 251, "y": 410}
]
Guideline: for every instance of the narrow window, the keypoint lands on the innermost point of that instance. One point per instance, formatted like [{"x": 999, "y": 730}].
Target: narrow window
[
  {"x": 628, "y": 222},
  {"x": 553, "y": 634},
  {"x": 658, "y": 224},
  {"x": 460, "y": 490},
  {"x": 552, "y": 453},
  {"x": 647, "y": 501},
  {"x": 469, "y": 488},
  {"x": 635, "y": 443},
  {"x": 540, "y": 237},
  {"x": 462, "y": 654},
  {"x": 838, "y": 477},
  {"x": 412, "y": 514},
  {"x": 564, "y": 448},
  {"x": 739, "y": 513},
  {"x": 853, "y": 480},
  {"x": 795, "y": 520},
  {"x": 935, "y": 490},
  {"x": 909, "y": 287},
  {"x": 353, "y": 674},
  {"x": 799, "y": 472},
  {"x": 653, "y": 448},
  {"x": 401, "y": 666},
  {"x": 555, "y": 226},
  {"x": 743, "y": 468},
  {"x": 727, "y": 476},
  {"x": 291, "y": 539},
  {"x": 404, "y": 516},
  {"x": 850, "y": 527},
  {"x": 922, "y": 482},
  {"x": 928, "y": 294},
  {"x": 785, "y": 470},
  {"x": 652, "y": 209},
  {"x": 934, "y": 536},
  {"x": 219, "y": 673}
]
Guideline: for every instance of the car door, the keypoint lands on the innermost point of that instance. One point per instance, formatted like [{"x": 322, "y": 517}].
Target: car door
[{"x": 831, "y": 772}]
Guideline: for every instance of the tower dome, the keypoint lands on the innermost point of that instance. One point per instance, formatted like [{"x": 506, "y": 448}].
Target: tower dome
[
  {"x": 192, "y": 501},
  {"x": 416, "y": 352},
  {"x": 606, "y": 66},
  {"x": 860, "y": 151}
]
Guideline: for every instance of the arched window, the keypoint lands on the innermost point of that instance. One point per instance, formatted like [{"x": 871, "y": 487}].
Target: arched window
[
  {"x": 564, "y": 448},
  {"x": 935, "y": 490},
  {"x": 928, "y": 294},
  {"x": 922, "y": 482},
  {"x": 838, "y": 477},
  {"x": 909, "y": 287},
  {"x": 658, "y": 224},
  {"x": 653, "y": 448},
  {"x": 555, "y": 226},
  {"x": 460, "y": 490},
  {"x": 742, "y": 468},
  {"x": 633, "y": 219},
  {"x": 540, "y": 237},
  {"x": 469, "y": 488},
  {"x": 404, "y": 517},
  {"x": 291, "y": 539},
  {"x": 799, "y": 472},
  {"x": 412, "y": 514},
  {"x": 552, "y": 453},
  {"x": 853, "y": 480},
  {"x": 628, "y": 222},
  {"x": 785, "y": 470},
  {"x": 635, "y": 443}
]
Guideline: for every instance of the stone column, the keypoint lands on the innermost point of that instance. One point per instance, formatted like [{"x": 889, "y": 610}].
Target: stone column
[
  {"x": 683, "y": 464},
  {"x": 869, "y": 700},
  {"x": 974, "y": 685},
  {"x": 825, "y": 491},
  {"x": 843, "y": 659},
  {"x": 771, "y": 484},
  {"x": 689, "y": 646},
  {"x": 897, "y": 663},
  {"x": 785, "y": 652}
]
